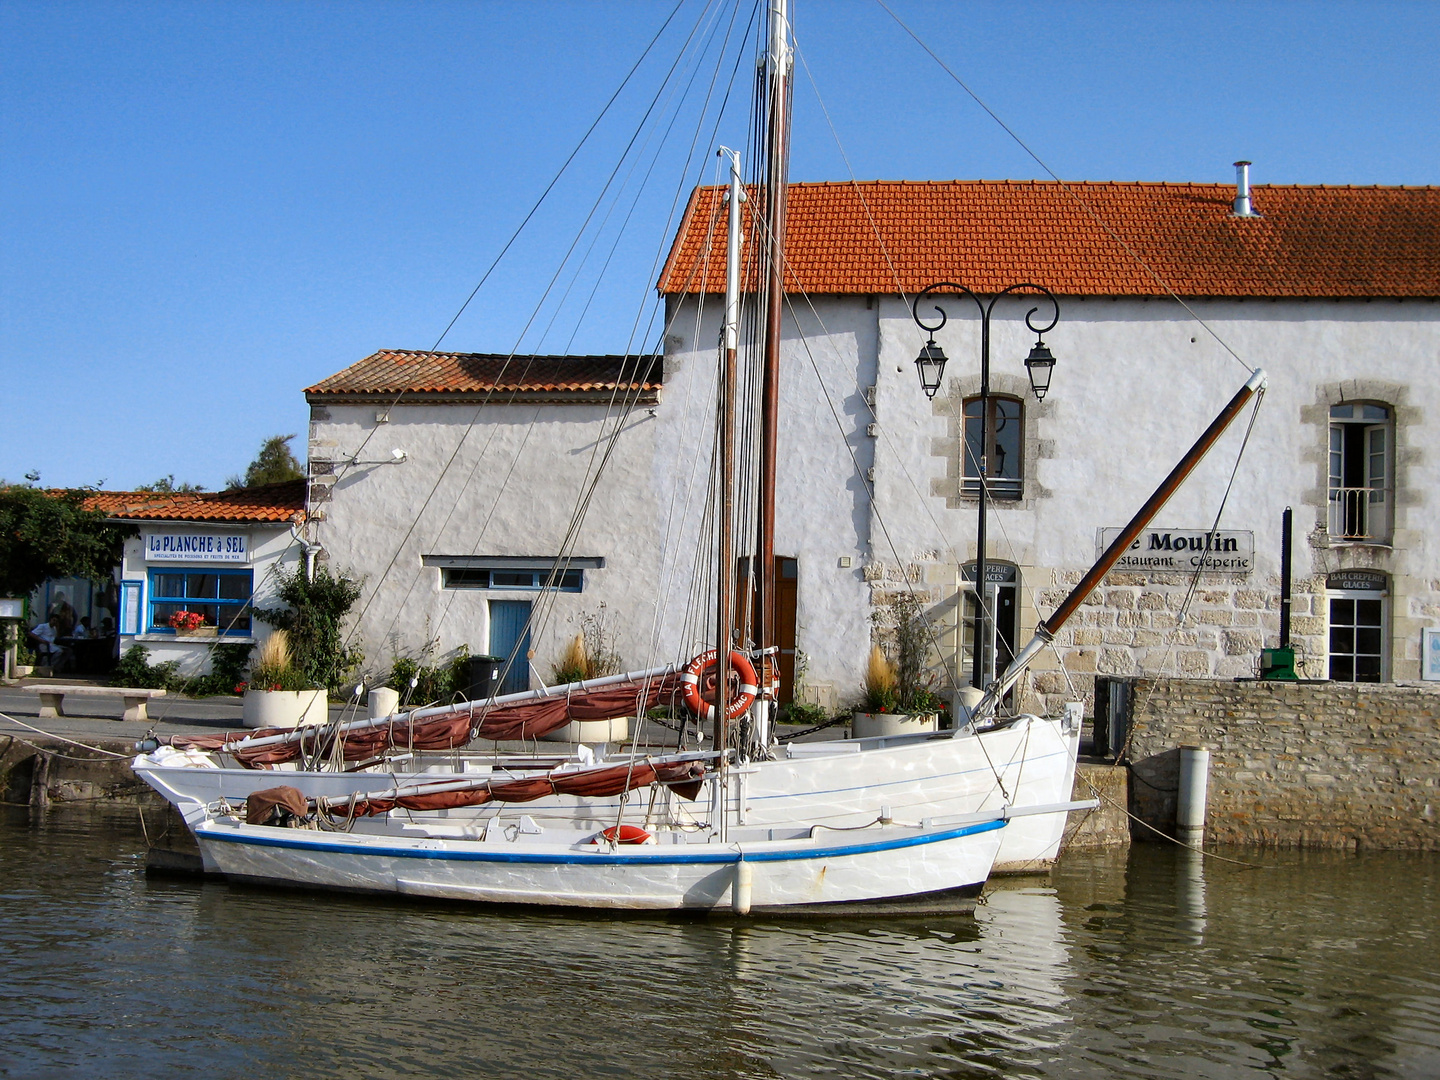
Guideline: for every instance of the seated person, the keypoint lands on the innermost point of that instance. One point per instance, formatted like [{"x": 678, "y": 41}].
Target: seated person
[
  {"x": 42, "y": 640},
  {"x": 82, "y": 629},
  {"x": 107, "y": 626}
]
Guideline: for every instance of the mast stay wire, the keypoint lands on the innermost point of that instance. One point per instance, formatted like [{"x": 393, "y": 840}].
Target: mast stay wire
[
  {"x": 535, "y": 313},
  {"x": 596, "y": 469},
  {"x": 515, "y": 457},
  {"x": 1070, "y": 191},
  {"x": 904, "y": 297},
  {"x": 564, "y": 166}
]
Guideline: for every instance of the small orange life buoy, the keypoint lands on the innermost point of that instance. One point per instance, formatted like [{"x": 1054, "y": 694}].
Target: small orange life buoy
[
  {"x": 623, "y": 834},
  {"x": 704, "y": 665}
]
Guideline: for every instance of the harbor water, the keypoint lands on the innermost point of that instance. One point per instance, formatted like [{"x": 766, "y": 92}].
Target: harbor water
[{"x": 1151, "y": 963}]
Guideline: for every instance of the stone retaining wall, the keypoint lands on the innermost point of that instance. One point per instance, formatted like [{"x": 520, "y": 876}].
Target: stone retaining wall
[{"x": 1293, "y": 764}]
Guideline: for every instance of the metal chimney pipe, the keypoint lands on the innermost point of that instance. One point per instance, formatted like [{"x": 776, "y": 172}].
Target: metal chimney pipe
[{"x": 1242, "y": 190}]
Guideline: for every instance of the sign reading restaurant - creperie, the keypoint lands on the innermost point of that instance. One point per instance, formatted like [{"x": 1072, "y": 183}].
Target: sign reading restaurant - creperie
[
  {"x": 1186, "y": 550},
  {"x": 196, "y": 547}
]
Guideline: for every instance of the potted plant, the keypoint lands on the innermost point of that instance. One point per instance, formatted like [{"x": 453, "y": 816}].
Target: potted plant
[
  {"x": 590, "y": 655},
  {"x": 896, "y": 702},
  {"x": 278, "y": 694}
]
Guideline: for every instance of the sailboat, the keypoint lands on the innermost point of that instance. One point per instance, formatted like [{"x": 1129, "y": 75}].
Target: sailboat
[{"x": 407, "y": 804}]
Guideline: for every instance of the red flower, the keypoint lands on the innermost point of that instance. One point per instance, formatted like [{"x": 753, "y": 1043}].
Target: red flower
[{"x": 187, "y": 620}]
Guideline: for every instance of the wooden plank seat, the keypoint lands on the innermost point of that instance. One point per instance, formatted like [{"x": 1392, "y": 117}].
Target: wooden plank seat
[{"x": 52, "y": 698}]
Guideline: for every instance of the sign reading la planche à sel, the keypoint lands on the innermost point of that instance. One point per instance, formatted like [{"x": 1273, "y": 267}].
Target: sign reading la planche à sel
[{"x": 196, "y": 547}]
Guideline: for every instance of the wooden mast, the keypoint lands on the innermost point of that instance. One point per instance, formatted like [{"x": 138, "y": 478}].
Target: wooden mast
[
  {"x": 778, "y": 62},
  {"x": 729, "y": 338}
]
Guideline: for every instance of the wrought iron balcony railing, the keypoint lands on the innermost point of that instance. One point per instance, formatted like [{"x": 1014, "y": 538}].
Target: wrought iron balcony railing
[{"x": 1360, "y": 514}]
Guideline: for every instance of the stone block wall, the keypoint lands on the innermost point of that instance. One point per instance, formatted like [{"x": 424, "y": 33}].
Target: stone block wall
[
  {"x": 1139, "y": 624},
  {"x": 1332, "y": 765}
]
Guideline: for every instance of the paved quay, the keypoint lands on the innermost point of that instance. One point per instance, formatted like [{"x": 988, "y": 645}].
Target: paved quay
[{"x": 100, "y": 717}]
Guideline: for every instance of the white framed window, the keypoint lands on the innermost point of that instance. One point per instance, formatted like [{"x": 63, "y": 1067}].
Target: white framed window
[
  {"x": 1361, "y": 488},
  {"x": 1359, "y": 632}
]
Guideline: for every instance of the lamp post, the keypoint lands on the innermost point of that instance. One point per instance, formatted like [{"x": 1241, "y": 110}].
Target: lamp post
[{"x": 930, "y": 365}]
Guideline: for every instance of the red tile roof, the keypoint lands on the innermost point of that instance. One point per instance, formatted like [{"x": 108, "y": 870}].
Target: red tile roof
[
  {"x": 268, "y": 503},
  {"x": 422, "y": 376},
  {"x": 885, "y": 237}
]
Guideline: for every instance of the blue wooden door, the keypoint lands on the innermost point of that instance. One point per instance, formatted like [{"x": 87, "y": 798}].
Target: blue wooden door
[{"x": 509, "y": 624}]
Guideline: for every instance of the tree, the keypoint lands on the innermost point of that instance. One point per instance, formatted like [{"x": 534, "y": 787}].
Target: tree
[
  {"x": 166, "y": 484},
  {"x": 272, "y": 465},
  {"x": 51, "y": 534}
]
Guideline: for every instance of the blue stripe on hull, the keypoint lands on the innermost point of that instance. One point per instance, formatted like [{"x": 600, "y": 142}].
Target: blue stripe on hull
[{"x": 608, "y": 859}]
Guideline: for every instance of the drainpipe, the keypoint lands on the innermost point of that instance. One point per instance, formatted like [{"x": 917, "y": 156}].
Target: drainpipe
[{"x": 311, "y": 550}]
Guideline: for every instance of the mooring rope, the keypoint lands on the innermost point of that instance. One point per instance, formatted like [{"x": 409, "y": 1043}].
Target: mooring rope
[{"x": 61, "y": 738}]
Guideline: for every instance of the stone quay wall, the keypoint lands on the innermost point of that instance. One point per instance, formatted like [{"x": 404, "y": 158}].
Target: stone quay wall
[{"x": 1326, "y": 765}]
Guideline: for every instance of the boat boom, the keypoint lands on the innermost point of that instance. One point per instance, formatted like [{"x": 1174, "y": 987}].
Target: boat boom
[{"x": 1048, "y": 628}]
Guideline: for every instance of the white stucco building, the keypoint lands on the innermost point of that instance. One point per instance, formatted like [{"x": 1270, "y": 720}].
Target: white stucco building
[{"x": 449, "y": 481}]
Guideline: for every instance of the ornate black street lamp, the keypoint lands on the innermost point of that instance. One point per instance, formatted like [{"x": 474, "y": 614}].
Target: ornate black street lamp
[{"x": 930, "y": 365}]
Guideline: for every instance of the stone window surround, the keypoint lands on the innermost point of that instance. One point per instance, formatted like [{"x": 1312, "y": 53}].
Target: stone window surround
[
  {"x": 1316, "y": 453},
  {"x": 951, "y": 406},
  {"x": 1328, "y": 556}
]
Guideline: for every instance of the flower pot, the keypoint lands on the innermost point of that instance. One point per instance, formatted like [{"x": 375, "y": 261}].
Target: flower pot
[
  {"x": 591, "y": 731},
  {"x": 866, "y": 725},
  {"x": 199, "y": 631},
  {"x": 284, "y": 708}
]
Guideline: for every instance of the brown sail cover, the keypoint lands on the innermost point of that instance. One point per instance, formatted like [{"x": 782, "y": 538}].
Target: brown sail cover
[
  {"x": 685, "y": 777},
  {"x": 517, "y": 721},
  {"x": 261, "y": 805}
]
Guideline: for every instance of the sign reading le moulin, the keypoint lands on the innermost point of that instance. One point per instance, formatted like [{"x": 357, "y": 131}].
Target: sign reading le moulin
[
  {"x": 196, "y": 547},
  {"x": 1186, "y": 550}
]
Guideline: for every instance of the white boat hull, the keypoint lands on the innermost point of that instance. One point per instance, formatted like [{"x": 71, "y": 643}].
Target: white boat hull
[
  {"x": 843, "y": 784},
  {"x": 941, "y": 867}
]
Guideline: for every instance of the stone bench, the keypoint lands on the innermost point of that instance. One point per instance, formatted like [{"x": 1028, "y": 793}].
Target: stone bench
[{"x": 52, "y": 698}]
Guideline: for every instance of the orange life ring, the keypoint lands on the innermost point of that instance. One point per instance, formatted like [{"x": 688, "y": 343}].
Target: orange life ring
[
  {"x": 701, "y": 666},
  {"x": 623, "y": 834}
]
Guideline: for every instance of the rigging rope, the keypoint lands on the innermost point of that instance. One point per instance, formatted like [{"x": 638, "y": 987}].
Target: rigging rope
[{"x": 1070, "y": 191}]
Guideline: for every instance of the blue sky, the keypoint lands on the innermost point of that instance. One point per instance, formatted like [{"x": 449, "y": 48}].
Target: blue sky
[{"x": 209, "y": 206}]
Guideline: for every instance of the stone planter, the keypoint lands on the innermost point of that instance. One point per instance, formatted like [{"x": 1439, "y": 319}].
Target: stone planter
[
  {"x": 284, "y": 708},
  {"x": 591, "y": 731},
  {"x": 24, "y": 671},
  {"x": 866, "y": 725}
]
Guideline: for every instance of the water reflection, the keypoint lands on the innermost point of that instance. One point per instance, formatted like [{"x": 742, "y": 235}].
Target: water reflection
[{"x": 1159, "y": 964}]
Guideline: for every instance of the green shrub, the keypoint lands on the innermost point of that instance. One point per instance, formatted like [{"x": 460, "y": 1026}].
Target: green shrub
[
  {"x": 802, "y": 712},
  {"x": 227, "y": 671},
  {"x": 134, "y": 669},
  {"x": 439, "y": 683}
]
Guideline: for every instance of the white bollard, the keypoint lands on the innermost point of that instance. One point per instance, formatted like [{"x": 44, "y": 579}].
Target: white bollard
[
  {"x": 1190, "y": 807},
  {"x": 383, "y": 702},
  {"x": 963, "y": 703}
]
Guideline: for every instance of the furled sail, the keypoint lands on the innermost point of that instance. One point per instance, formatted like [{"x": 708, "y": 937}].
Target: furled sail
[
  {"x": 683, "y": 777},
  {"x": 445, "y": 728}
]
